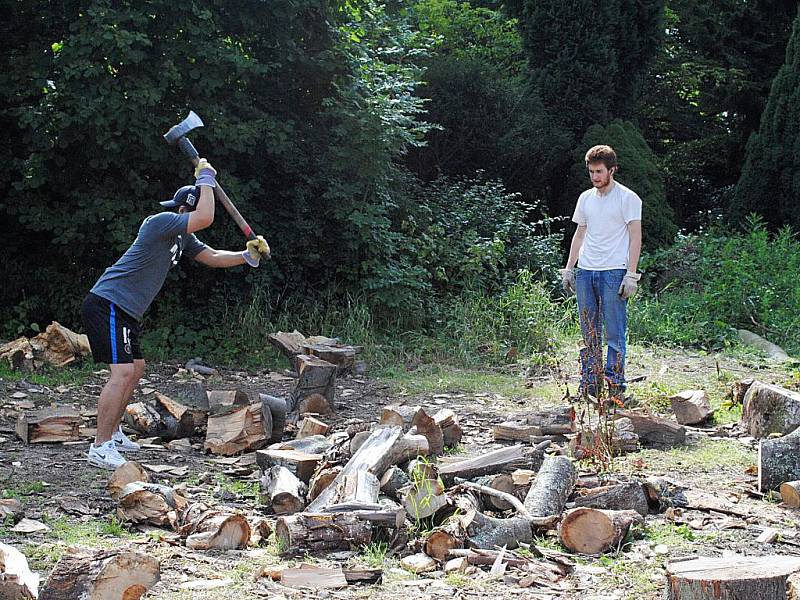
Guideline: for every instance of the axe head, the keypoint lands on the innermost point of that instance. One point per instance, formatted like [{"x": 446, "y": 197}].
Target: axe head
[{"x": 182, "y": 129}]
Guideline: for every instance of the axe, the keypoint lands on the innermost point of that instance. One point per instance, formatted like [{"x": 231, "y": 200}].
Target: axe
[{"x": 177, "y": 135}]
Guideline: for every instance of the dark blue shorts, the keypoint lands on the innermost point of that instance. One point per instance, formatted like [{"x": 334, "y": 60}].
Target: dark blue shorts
[{"x": 113, "y": 334}]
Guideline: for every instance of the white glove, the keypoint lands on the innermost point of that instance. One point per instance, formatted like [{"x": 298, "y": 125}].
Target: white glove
[
  {"x": 629, "y": 285},
  {"x": 568, "y": 280}
]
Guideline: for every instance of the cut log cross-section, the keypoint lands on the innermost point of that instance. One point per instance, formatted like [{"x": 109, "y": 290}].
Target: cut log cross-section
[
  {"x": 282, "y": 490},
  {"x": 778, "y": 461},
  {"x": 691, "y": 407},
  {"x": 730, "y": 577},
  {"x": 101, "y": 575},
  {"x": 551, "y": 488},
  {"x": 237, "y": 429},
  {"x": 150, "y": 503},
  {"x": 315, "y": 389},
  {"x": 49, "y": 425},
  {"x": 790, "y": 493},
  {"x": 17, "y": 581},
  {"x": 592, "y": 530},
  {"x": 314, "y": 533},
  {"x": 206, "y": 528},
  {"x": 770, "y": 409}
]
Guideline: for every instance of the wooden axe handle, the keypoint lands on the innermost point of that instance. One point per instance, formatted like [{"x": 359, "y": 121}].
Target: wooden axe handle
[{"x": 223, "y": 199}]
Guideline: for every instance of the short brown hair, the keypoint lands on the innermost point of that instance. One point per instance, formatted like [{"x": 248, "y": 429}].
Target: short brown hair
[{"x": 603, "y": 154}]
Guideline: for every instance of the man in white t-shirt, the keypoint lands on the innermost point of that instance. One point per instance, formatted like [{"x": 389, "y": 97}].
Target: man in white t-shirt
[{"x": 606, "y": 247}]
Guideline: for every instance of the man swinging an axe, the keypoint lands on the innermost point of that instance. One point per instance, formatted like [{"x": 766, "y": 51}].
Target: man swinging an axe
[{"x": 113, "y": 309}]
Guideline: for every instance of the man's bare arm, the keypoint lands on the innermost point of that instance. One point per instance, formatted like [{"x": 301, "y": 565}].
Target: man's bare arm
[
  {"x": 635, "y": 246},
  {"x": 575, "y": 246},
  {"x": 219, "y": 259}
]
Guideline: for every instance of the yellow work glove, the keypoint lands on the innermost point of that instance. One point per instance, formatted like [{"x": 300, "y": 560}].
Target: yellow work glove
[
  {"x": 629, "y": 285},
  {"x": 201, "y": 165},
  {"x": 256, "y": 250}
]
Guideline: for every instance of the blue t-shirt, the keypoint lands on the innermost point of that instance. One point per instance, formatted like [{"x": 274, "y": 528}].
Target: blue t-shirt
[{"x": 134, "y": 280}]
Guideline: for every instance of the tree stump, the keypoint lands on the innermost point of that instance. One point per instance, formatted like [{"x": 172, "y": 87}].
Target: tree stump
[
  {"x": 315, "y": 387},
  {"x": 551, "y": 488},
  {"x": 17, "y": 581},
  {"x": 49, "y": 425},
  {"x": 730, "y": 578},
  {"x": 592, "y": 531},
  {"x": 281, "y": 490},
  {"x": 790, "y": 492},
  {"x": 770, "y": 409},
  {"x": 101, "y": 575},
  {"x": 778, "y": 461},
  {"x": 691, "y": 407},
  {"x": 315, "y": 532}
]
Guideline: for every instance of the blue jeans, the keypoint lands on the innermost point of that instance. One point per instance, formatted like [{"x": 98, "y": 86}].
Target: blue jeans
[{"x": 601, "y": 308}]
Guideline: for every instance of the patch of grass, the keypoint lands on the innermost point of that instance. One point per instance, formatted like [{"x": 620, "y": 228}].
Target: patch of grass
[
  {"x": 50, "y": 376},
  {"x": 727, "y": 413},
  {"x": 239, "y": 487},
  {"x": 374, "y": 555},
  {"x": 456, "y": 450},
  {"x": 670, "y": 534},
  {"x": 23, "y": 489},
  {"x": 549, "y": 542},
  {"x": 707, "y": 456},
  {"x": 636, "y": 576},
  {"x": 94, "y": 532},
  {"x": 458, "y": 580}
]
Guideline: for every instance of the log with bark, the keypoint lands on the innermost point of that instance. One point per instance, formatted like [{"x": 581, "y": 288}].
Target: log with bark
[
  {"x": 655, "y": 432},
  {"x": 415, "y": 419},
  {"x": 237, "y": 429},
  {"x": 621, "y": 496},
  {"x": 49, "y": 425},
  {"x": 770, "y": 409},
  {"x": 311, "y": 426},
  {"x": 281, "y": 490},
  {"x": 290, "y": 344},
  {"x": 385, "y": 446},
  {"x": 592, "y": 530},
  {"x": 322, "y": 478},
  {"x": 393, "y": 480},
  {"x": 553, "y": 421},
  {"x": 315, "y": 388},
  {"x": 502, "y": 482},
  {"x": 778, "y": 461},
  {"x": 691, "y": 407},
  {"x": 150, "y": 503},
  {"x": 790, "y": 493},
  {"x": 276, "y": 407},
  {"x": 205, "y": 528},
  {"x": 399, "y": 416},
  {"x": 515, "y": 431},
  {"x": 315, "y": 444},
  {"x": 497, "y": 461},
  {"x": 17, "y": 581},
  {"x": 423, "y": 498},
  {"x": 126, "y": 473},
  {"x": 321, "y": 532},
  {"x": 447, "y": 420},
  {"x": 552, "y": 486},
  {"x": 101, "y": 575},
  {"x": 358, "y": 489},
  {"x": 730, "y": 578},
  {"x": 162, "y": 417},
  {"x": 300, "y": 464}
]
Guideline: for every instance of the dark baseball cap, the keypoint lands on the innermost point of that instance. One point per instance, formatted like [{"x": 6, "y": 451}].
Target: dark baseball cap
[{"x": 186, "y": 196}]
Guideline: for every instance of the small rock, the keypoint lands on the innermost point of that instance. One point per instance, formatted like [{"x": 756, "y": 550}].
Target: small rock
[
  {"x": 661, "y": 549},
  {"x": 418, "y": 563}
]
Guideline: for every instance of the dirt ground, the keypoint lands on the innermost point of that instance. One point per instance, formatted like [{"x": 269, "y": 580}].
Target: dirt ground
[{"x": 58, "y": 487}]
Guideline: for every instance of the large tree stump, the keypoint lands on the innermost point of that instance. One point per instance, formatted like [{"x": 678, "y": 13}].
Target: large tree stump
[
  {"x": 770, "y": 409},
  {"x": 314, "y": 532},
  {"x": 592, "y": 530},
  {"x": 621, "y": 496},
  {"x": 17, "y": 581},
  {"x": 163, "y": 417},
  {"x": 205, "y": 528},
  {"x": 49, "y": 425},
  {"x": 101, "y": 575},
  {"x": 281, "y": 490},
  {"x": 730, "y": 578},
  {"x": 691, "y": 407},
  {"x": 778, "y": 461},
  {"x": 553, "y": 485},
  {"x": 655, "y": 432},
  {"x": 151, "y": 503},
  {"x": 315, "y": 387},
  {"x": 237, "y": 429}
]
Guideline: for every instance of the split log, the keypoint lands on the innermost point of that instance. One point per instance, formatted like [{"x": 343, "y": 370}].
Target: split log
[
  {"x": 17, "y": 581},
  {"x": 206, "y": 528},
  {"x": 18, "y": 354},
  {"x": 399, "y": 416},
  {"x": 315, "y": 387},
  {"x": 553, "y": 421},
  {"x": 778, "y": 461},
  {"x": 655, "y": 432},
  {"x": 423, "y": 498},
  {"x": 315, "y": 578},
  {"x": 315, "y": 444},
  {"x": 497, "y": 461},
  {"x": 150, "y": 503},
  {"x": 359, "y": 488},
  {"x": 281, "y": 490},
  {"x": 386, "y": 446},
  {"x": 57, "y": 346},
  {"x": 592, "y": 531},
  {"x": 238, "y": 429},
  {"x": 123, "y": 475},
  {"x": 276, "y": 407},
  {"x": 393, "y": 480},
  {"x": 730, "y": 577},
  {"x": 790, "y": 493},
  {"x": 101, "y": 575},
  {"x": 691, "y": 407},
  {"x": 424, "y": 424},
  {"x": 341, "y": 355},
  {"x": 447, "y": 420},
  {"x": 300, "y": 464},
  {"x": 321, "y": 479},
  {"x": 311, "y": 426},
  {"x": 163, "y": 418},
  {"x": 553, "y": 485},
  {"x": 515, "y": 431},
  {"x": 770, "y": 409},
  {"x": 622, "y": 496},
  {"x": 49, "y": 425},
  {"x": 316, "y": 532},
  {"x": 221, "y": 400},
  {"x": 290, "y": 344}
]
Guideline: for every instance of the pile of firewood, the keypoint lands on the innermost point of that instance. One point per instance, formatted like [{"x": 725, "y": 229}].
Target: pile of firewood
[{"x": 56, "y": 346}]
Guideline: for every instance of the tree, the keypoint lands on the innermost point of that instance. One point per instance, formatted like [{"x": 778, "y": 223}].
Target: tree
[{"x": 770, "y": 180}]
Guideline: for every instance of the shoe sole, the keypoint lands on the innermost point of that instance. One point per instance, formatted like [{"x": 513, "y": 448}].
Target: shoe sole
[
  {"x": 124, "y": 449},
  {"x": 102, "y": 464}
]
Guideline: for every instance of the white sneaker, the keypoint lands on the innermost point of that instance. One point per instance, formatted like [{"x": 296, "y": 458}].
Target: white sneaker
[
  {"x": 105, "y": 455},
  {"x": 123, "y": 443}
]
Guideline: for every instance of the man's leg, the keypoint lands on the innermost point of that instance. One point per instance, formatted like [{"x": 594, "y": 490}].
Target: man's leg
[
  {"x": 616, "y": 320},
  {"x": 591, "y": 330},
  {"x": 113, "y": 399},
  {"x": 138, "y": 372}
]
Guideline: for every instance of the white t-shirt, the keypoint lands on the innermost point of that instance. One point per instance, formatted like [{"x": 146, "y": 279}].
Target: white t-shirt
[{"x": 605, "y": 246}]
